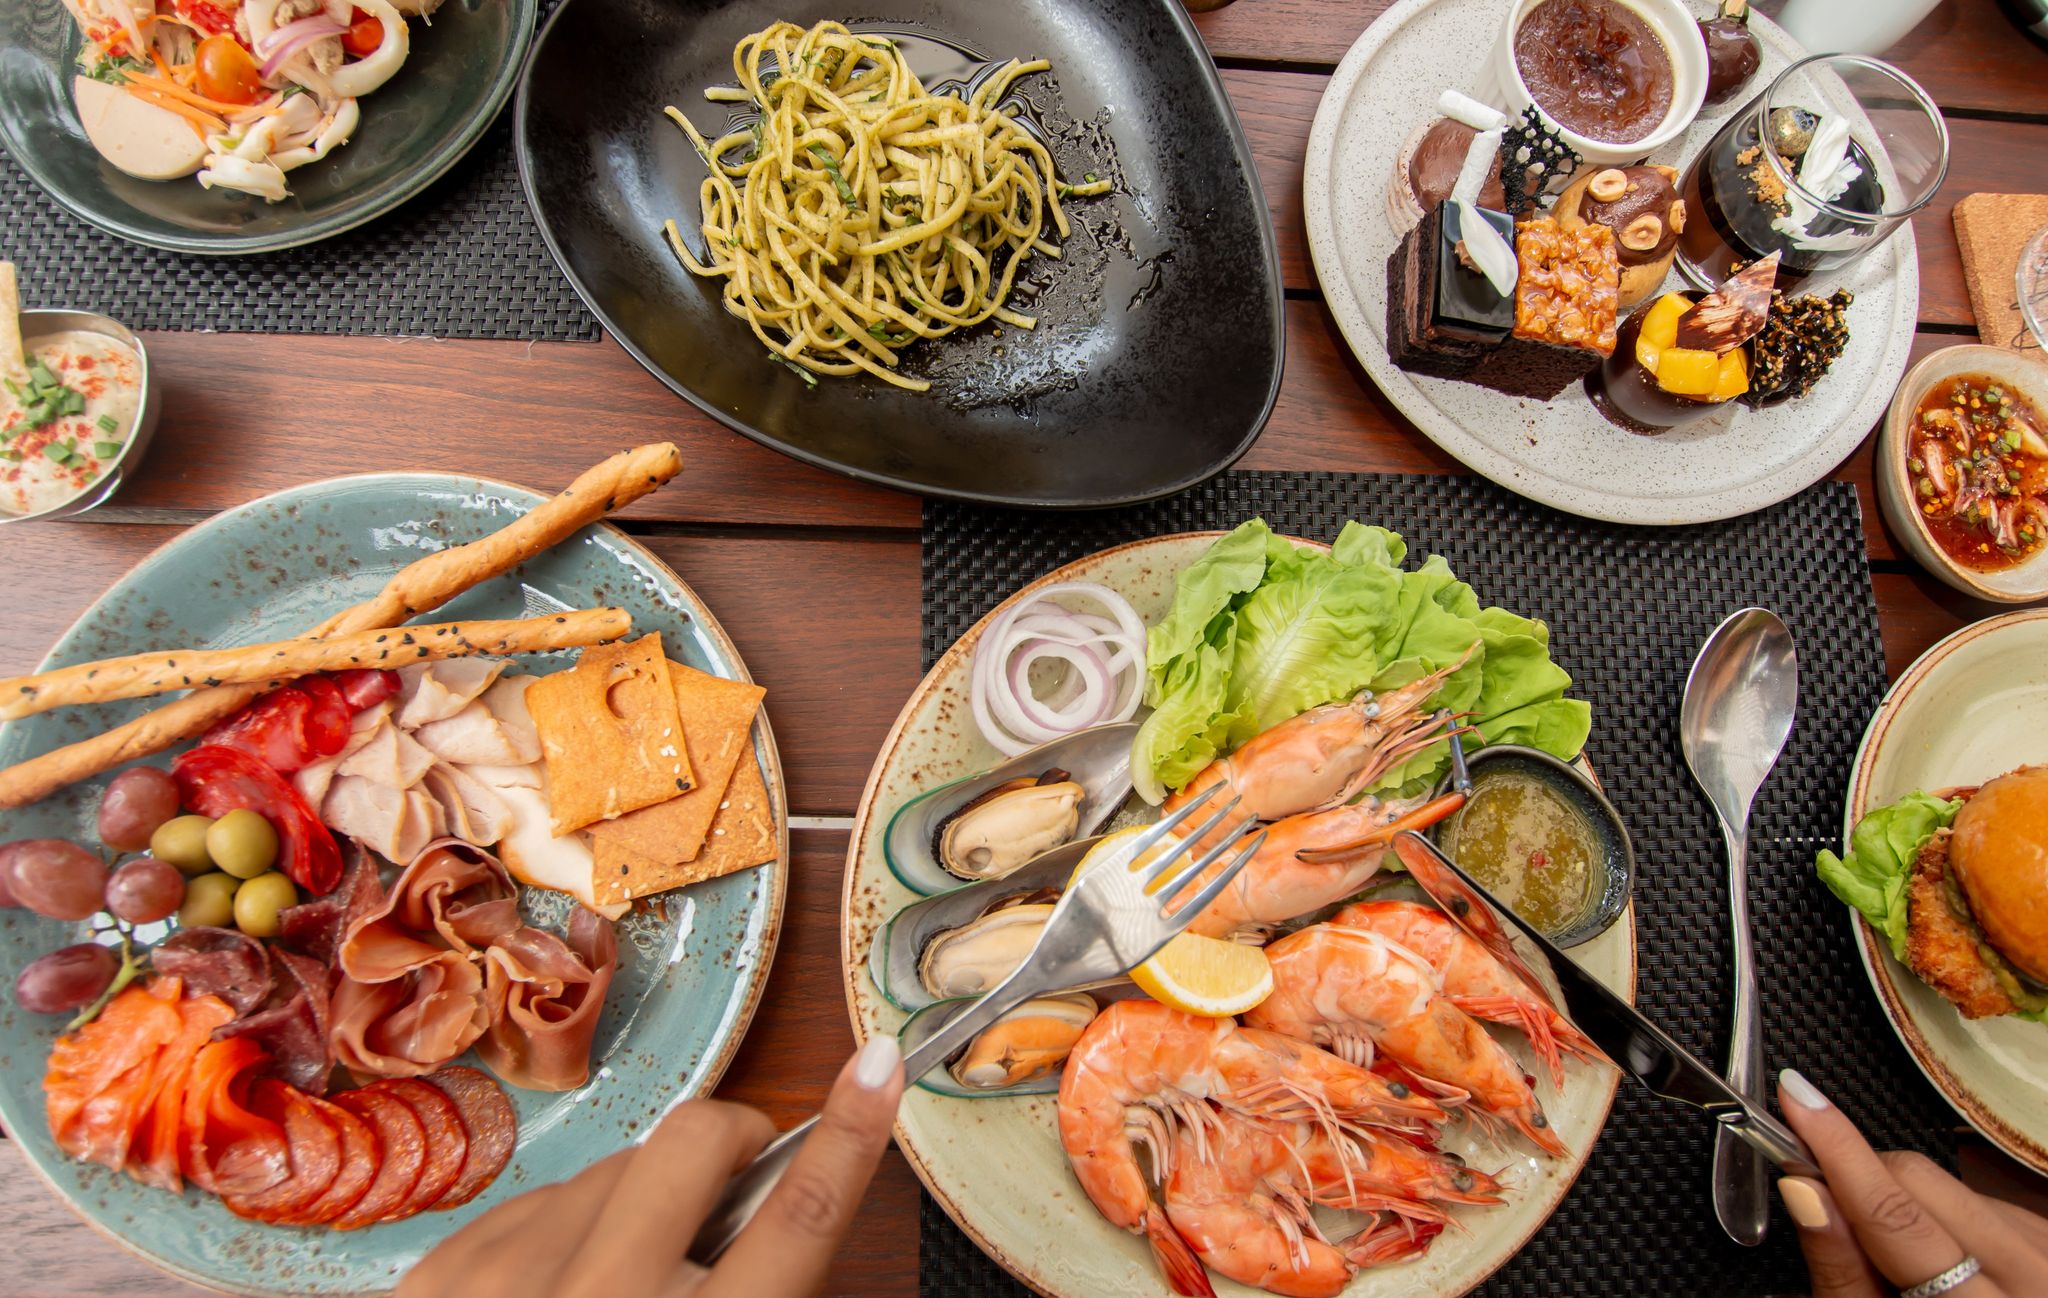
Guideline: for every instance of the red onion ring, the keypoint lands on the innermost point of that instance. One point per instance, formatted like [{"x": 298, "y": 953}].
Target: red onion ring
[{"x": 293, "y": 37}]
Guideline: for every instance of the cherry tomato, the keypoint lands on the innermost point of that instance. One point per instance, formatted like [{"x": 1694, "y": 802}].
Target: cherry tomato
[
  {"x": 206, "y": 15},
  {"x": 226, "y": 72},
  {"x": 365, "y": 33}
]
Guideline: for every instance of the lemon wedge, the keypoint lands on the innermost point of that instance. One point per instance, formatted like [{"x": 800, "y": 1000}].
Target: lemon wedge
[{"x": 1194, "y": 974}]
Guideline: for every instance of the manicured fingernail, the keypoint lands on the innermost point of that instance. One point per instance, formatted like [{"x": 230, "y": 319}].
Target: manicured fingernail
[
  {"x": 1801, "y": 1092},
  {"x": 877, "y": 1061},
  {"x": 1803, "y": 1202}
]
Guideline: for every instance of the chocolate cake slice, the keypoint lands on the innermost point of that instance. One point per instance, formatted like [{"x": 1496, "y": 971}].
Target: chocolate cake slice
[
  {"x": 1566, "y": 303},
  {"x": 1443, "y": 317}
]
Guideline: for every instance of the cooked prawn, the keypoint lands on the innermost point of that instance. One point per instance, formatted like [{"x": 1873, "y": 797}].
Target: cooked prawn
[
  {"x": 1328, "y": 755},
  {"x": 1472, "y": 978},
  {"x": 1276, "y": 885},
  {"x": 1353, "y": 991},
  {"x": 1141, "y": 1071},
  {"x": 1242, "y": 1201}
]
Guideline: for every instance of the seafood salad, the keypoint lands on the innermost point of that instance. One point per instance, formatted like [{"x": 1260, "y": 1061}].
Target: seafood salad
[
  {"x": 236, "y": 92},
  {"x": 1317, "y": 1037}
]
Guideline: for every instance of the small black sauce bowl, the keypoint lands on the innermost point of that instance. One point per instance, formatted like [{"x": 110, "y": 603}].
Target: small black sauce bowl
[{"x": 1618, "y": 857}]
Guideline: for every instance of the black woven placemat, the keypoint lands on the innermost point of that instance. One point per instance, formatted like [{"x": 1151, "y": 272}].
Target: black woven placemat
[
  {"x": 1627, "y": 608},
  {"x": 462, "y": 259}
]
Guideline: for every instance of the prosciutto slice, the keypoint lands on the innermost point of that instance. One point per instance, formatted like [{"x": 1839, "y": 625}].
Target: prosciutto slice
[
  {"x": 216, "y": 962},
  {"x": 408, "y": 1026},
  {"x": 544, "y": 997},
  {"x": 453, "y": 900},
  {"x": 316, "y": 928},
  {"x": 292, "y": 1024}
]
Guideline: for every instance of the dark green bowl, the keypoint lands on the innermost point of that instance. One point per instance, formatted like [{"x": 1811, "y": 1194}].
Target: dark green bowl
[{"x": 458, "y": 75}]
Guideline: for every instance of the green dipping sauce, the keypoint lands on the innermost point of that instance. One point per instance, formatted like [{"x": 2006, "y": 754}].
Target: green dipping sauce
[{"x": 1530, "y": 846}]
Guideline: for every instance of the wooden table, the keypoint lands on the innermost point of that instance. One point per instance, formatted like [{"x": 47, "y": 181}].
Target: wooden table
[{"x": 817, "y": 576}]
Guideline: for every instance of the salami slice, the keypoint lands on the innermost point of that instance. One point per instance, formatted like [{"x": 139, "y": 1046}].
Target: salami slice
[
  {"x": 447, "y": 1141},
  {"x": 404, "y": 1145},
  {"x": 361, "y": 1156},
  {"x": 493, "y": 1130},
  {"x": 315, "y": 1153}
]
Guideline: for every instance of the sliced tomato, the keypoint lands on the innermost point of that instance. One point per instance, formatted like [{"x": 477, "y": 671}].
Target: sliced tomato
[
  {"x": 207, "y": 15},
  {"x": 224, "y": 1146},
  {"x": 100, "y": 1079},
  {"x": 365, "y": 687},
  {"x": 214, "y": 780},
  {"x": 365, "y": 33},
  {"x": 313, "y": 1154}
]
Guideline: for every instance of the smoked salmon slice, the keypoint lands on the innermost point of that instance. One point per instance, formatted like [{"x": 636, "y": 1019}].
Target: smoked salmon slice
[{"x": 100, "y": 1077}]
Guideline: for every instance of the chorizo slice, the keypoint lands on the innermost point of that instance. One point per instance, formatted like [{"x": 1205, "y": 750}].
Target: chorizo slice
[
  {"x": 447, "y": 1141},
  {"x": 404, "y": 1145},
  {"x": 314, "y": 1152},
  {"x": 492, "y": 1125},
  {"x": 361, "y": 1155}
]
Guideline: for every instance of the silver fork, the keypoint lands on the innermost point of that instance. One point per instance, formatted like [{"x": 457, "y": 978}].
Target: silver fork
[{"x": 1110, "y": 921}]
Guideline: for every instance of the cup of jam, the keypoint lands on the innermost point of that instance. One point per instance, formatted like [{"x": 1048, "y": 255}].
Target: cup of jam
[{"x": 1619, "y": 79}]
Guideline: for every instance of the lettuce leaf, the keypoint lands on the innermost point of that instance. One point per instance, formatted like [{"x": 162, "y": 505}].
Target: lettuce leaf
[
  {"x": 1872, "y": 876},
  {"x": 1262, "y": 630}
]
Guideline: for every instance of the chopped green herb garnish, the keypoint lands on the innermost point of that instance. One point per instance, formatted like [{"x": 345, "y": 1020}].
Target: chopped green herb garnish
[
  {"x": 114, "y": 71},
  {"x": 58, "y": 451},
  {"x": 107, "y": 425},
  {"x": 106, "y": 450},
  {"x": 831, "y": 166},
  {"x": 45, "y": 398},
  {"x": 293, "y": 89},
  {"x": 810, "y": 379},
  {"x": 881, "y": 333}
]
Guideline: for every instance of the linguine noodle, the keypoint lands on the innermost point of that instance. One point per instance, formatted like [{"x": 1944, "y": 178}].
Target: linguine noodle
[{"x": 861, "y": 212}]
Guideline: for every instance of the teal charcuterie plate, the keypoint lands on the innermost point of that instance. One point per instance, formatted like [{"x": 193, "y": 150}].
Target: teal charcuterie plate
[{"x": 688, "y": 979}]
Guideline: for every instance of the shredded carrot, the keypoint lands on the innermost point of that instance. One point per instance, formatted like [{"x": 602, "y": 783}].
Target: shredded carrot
[
  {"x": 203, "y": 122},
  {"x": 167, "y": 86}
]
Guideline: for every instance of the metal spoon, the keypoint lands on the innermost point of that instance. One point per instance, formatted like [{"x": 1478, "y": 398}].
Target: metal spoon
[{"x": 1739, "y": 701}]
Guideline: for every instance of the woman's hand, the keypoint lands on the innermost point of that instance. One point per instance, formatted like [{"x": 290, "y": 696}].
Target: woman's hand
[
  {"x": 621, "y": 1227},
  {"x": 1897, "y": 1220}
]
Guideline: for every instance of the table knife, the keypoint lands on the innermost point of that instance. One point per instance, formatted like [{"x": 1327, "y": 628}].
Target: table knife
[{"x": 1631, "y": 1041}]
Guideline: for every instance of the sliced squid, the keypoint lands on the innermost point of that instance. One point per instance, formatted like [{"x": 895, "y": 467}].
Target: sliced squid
[{"x": 366, "y": 74}]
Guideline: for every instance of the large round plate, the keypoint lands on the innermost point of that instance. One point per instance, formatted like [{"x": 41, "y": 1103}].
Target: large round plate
[
  {"x": 457, "y": 75},
  {"x": 1157, "y": 354},
  {"x": 1563, "y": 452},
  {"x": 687, "y": 984},
  {"x": 996, "y": 1165},
  {"x": 1973, "y": 706}
]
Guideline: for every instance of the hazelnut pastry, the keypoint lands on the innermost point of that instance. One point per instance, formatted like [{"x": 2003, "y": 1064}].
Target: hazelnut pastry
[{"x": 1641, "y": 205}]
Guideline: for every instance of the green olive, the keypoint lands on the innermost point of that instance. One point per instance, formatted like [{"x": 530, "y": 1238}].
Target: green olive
[
  {"x": 209, "y": 901},
  {"x": 242, "y": 843},
  {"x": 182, "y": 841},
  {"x": 258, "y": 901}
]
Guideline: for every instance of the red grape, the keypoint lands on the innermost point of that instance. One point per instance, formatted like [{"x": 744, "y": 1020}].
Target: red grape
[
  {"x": 135, "y": 803},
  {"x": 8, "y": 851},
  {"x": 67, "y": 979},
  {"x": 145, "y": 890},
  {"x": 58, "y": 878}
]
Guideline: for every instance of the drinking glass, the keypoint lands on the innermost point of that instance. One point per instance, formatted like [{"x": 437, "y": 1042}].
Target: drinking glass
[
  {"x": 1761, "y": 185},
  {"x": 2031, "y": 279}
]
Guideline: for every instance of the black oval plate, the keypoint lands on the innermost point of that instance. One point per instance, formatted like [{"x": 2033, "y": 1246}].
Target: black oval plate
[{"x": 1158, "y": 352}]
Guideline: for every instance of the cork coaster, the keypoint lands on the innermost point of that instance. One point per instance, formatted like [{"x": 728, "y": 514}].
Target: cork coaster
[{"x": 1991, "y": 229}]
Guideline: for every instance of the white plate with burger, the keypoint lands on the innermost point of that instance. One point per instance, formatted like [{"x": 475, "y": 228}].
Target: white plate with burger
[{"x": 1946, "y": 859}]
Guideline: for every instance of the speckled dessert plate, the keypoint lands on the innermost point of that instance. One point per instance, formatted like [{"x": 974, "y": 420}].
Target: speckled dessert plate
[
  {"x": 1562, "y": 452},
  {"x": 687, "y": 983},
  {"x": 1973, "y": 706},
  {"x": 996, "y": 1165}
]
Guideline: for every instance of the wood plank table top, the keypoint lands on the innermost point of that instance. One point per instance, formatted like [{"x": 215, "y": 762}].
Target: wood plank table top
[{"x": 816, "y": 576}]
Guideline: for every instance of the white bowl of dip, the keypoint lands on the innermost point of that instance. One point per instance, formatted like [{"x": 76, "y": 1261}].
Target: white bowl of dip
[
  {"x": 1501, "y": 84},
  {"x": 108, "y": 367}
]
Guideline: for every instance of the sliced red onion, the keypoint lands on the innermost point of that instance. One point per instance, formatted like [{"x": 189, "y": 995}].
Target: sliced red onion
[
  {"x": 293, "y": 37},
  {"x": 1103, "y": 655}
]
